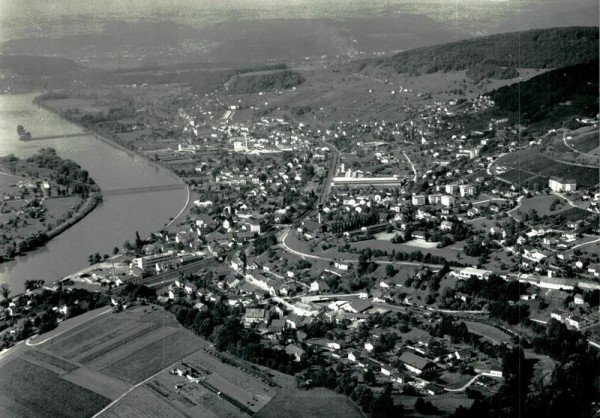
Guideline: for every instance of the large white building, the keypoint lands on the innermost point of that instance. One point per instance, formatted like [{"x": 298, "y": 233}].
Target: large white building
[
  {"x": 467, "y": 190},
  {"x": 467, "y": 272},
  {"x": 157, "y": 261},
  {"x": 418, "y": 200},
  {"x": 561, "y": 185}
]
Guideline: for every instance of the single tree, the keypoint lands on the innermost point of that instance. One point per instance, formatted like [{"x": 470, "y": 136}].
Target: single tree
[{"x": 4, "y": 290}]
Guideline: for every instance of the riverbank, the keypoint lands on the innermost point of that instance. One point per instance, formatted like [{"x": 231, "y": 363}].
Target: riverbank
[
  {"x": 87, "y": 207},
  {"x": 111, "y": 223},
  {"x": 40, "y": 102}
]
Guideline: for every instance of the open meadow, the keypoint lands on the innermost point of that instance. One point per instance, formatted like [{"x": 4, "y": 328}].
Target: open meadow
[
  {"x": 489, "y": 332},
  {"x": 296, "y": 403}
]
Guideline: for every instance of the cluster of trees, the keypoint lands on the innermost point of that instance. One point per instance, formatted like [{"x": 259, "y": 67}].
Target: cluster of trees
[
  {"x": 354, "y": 221},
  {"x": 66, "y": 172},
  {"x": 40, "y": 306},
  {"x": 415, "y": 256},
  {"x": 263, "y": 243},
  {"x": 570, "y": 389},
  {"x": 255, "y": 83},
  {"x": 541, "y": 48},
  {"x": 488, "y": 69},
  {"x": 501, "y": 295},
  {"x": 222, "y": 325}
]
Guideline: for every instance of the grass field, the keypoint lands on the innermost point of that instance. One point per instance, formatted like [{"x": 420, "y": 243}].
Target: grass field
[
  {"x": 292, "y": 403},
  {"x": 491, "y": 333},
  {"x": 541, "y": 204},
  {"x": 29, "y": 390},
  {"x": 585, "y": 141}
]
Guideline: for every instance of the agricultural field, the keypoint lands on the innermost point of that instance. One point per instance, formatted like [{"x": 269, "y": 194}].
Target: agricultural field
[
  {"x": 292, "y": 403},
  {"x": 31, "y": 390},
  {"x": 84, "y": 367},
  {"x": 128, "y": 346},
  {"x": 160, "y": 399},
  {"x": 152, "y": 358}
]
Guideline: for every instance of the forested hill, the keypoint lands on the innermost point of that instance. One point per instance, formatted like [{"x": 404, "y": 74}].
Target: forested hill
[
  {"x": 555, "y": 94},
  {"x": 264, "y": 81},
  {"x": 541, "y": 48}
]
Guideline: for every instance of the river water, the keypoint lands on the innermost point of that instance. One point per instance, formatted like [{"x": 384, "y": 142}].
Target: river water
[{"x": 115, "y": 220}]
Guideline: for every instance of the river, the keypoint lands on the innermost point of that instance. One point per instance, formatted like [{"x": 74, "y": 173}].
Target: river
[{"x": 114, "y": 221}]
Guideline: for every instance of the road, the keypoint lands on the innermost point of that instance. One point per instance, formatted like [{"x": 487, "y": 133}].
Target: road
[
  {"x": 466, "y": 385},
  {"x": 516, "y": 208},
  {"x": 411, "y": 166},
  {"x": 570, "y": 202},
  {"x": 282, "y": 238}
]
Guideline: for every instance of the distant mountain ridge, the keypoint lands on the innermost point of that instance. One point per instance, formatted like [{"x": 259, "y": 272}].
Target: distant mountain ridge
[{"x": 540, "y": 48}]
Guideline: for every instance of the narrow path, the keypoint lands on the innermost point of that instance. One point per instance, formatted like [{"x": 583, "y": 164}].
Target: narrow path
[
  {"x": 110, "y": 405},
  {"x": 412, "y": 166},
  {"x": 71, "y": 325},
  {"x": 575, "y": 149}
]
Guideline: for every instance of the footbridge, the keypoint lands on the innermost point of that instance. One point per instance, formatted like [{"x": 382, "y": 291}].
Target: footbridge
[{"x": 115, "y": 192}]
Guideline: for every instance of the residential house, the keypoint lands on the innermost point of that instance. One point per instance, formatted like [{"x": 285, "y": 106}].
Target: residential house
[{"x": 254, "y": 316}]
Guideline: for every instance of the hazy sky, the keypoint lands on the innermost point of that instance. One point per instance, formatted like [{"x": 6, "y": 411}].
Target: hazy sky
[{"x": 25, "y": 17}]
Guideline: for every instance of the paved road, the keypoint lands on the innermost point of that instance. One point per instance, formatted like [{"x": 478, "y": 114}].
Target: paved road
[
  {"x": 282, "y": 238},
  {"x": 570, "y": 202}
]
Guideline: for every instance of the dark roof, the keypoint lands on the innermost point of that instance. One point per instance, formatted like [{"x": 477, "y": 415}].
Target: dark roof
[
  {"x": 361, "y": 305},
  {"x": 310, "y": 226},
  {"x": 414, "y": 360}
]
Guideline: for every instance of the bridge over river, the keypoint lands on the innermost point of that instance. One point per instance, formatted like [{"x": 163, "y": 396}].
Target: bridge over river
[
  {"x": 115, "y": 192},
  {"x": 40, "y": 138}
]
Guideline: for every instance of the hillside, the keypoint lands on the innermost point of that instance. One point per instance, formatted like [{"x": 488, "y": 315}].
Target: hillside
[
  {"x": 542, "y": 48},
  {"x": 36, "y": 66},
  {"x": 553, "y": 95}
]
